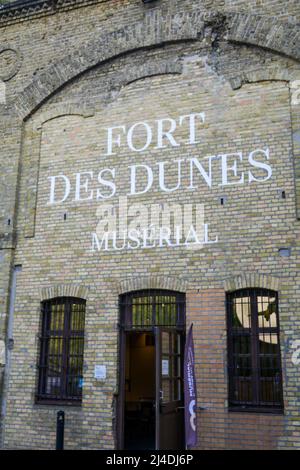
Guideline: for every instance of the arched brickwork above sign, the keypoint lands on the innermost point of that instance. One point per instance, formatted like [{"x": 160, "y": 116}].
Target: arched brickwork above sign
[
  {"x": 64, "y": 290},
  {"x": 151, "y": 282},
  {"x": 64, "y": 109},
  {"x": 131, "y": 74},
  {"x": 248, "y": 280},
  {"x": 130, "y": 38},
  {"x": 185, "y": 26},
  {"x": 265, "y": 32},
  {"x": 275, "y": 73}
]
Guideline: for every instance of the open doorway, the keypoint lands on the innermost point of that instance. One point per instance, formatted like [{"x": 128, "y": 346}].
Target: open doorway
[
  {"x": 150, "y": 400},
  {"x": 139, "y": 419}
]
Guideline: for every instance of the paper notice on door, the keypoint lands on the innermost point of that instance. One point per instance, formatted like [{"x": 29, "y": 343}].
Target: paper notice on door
[{"x": 165, "y": 367}]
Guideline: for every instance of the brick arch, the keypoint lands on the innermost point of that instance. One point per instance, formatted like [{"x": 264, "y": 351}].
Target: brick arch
[
  {"x": 248, "y": 280},
  {"x": 150, "y": 32},
  {"x": 156, "y": 30},
  {"x": 64, "y": 290},
  {"x": 151, "y": 282},
  {"x": 149, "y": 68},
  {"x": 261, "y": 75},
  {"x": 265, "y": 32},
  {"x": 63, "y": 109},
  {"x": 129, "y": 75}
]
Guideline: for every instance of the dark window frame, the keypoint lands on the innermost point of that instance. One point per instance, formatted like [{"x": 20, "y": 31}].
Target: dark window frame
[
  {"x": 64, "y": 336},
  {"x": 256, "y": 404}
]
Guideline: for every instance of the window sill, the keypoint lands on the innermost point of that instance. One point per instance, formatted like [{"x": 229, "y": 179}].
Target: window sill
[
  {"x": 243, "y": 409},
  {"x": 68, "y": 403}
]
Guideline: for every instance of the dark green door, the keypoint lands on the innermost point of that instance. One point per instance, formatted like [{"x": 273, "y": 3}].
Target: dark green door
[{"x": 169, "y": 416}]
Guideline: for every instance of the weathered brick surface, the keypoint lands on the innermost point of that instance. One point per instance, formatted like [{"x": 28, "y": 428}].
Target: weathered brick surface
[{"x": 74, "y": 74}]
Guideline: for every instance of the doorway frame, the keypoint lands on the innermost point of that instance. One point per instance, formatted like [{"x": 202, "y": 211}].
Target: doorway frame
[{"x": 125, "y": 327}]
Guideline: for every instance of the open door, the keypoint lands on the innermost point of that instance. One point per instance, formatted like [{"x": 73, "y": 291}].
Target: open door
[
  {"x": 150, "y": 402},
  {"x": 169, "y": 406}
]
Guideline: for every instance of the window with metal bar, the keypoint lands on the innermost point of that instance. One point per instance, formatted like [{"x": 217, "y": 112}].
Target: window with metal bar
[
  {"x": 144, "y": 309},
  {"x": 61, "y": 351},
  {"x": 254, "y": 362}
]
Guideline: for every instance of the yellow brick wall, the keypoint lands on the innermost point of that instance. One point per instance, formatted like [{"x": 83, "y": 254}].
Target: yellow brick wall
[{"x": 68, "y": 134}]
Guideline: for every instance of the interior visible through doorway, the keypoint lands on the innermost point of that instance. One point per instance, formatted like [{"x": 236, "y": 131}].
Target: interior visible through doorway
[{"x": 139, "y": 420}]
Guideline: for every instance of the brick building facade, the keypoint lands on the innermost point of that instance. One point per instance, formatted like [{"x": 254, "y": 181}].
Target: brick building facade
[{"x": 134, "y": 107}]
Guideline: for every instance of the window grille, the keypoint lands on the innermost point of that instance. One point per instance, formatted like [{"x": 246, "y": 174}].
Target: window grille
[
  {"x": 148, "y": 308},
  {"x": 61, "y": 350},
  {"x": 254, "y": 362}
]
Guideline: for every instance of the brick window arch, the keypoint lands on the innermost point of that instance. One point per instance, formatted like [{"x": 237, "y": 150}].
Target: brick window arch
[
  {"x": 61, "y": 351},
  {"x": 254, "y": 362}
]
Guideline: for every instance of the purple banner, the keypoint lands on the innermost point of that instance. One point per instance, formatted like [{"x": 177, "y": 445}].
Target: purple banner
[{"x": 190, "y": 392}]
